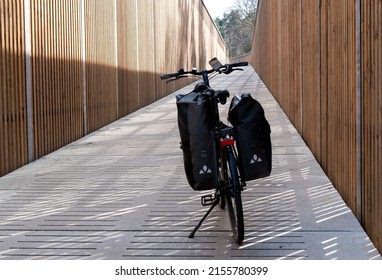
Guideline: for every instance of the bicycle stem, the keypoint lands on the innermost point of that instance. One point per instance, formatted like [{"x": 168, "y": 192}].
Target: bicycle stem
[{"x": 205, "y": 78}]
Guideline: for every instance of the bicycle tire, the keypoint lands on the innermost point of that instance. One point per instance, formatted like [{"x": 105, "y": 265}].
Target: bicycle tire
[
  {"x": 222, "y": 199},
  {"x": 233, "y": 200}
]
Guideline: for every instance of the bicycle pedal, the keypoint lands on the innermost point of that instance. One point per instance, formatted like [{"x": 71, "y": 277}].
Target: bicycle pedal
[{"x": 208, "y": 199}]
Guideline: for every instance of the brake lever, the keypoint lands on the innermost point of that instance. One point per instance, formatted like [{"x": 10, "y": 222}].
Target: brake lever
[{"x": 226, "y": 71}]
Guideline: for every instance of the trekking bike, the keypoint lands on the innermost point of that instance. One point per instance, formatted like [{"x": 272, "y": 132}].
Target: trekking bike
[{"x": 229, "y": 185}]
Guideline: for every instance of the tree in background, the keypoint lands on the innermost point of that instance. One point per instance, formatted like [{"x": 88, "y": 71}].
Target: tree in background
[{"x": 237, "y": 27}]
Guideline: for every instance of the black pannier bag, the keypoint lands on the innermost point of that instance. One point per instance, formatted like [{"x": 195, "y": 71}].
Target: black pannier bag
[
  {"x": 253, "y": 139},
  {"x": 196, "y": 129}
]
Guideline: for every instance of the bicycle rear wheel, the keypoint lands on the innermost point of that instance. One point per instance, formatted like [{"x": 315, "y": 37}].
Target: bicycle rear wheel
[{"x": 233, "y": 199}]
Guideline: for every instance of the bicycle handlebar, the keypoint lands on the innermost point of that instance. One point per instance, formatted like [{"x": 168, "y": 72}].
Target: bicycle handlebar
[{"x": 226, "y": 69}]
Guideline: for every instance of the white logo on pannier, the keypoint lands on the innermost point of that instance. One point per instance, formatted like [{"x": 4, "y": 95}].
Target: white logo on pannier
[
  {"x": 205, "y": 170},
  {"x": 256, "y": 159}
]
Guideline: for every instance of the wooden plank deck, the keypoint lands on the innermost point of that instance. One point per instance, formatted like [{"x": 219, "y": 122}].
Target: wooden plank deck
[{"x": 121, "y": 193}]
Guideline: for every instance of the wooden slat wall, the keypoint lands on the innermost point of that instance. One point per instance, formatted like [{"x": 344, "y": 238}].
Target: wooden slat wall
[
  {"x": 294, "y": 53},
  {"x": 339, "y": 93},
  {"x": 13, "y": 140},
  {"x": 306, "y": 52},
  {"x": 372, "y": 119},
  {"x": 128, "y": 82},
  {"x": 147, "y": 91},
  {"x": 310, "y": 76},
  {"x": 284, "y": 54},
  {"x": 56, "y": 74},
  {"x": 101, "y": 75},
  {"x": 160, "y": 47},
  {"x": 91, "y": 62}
]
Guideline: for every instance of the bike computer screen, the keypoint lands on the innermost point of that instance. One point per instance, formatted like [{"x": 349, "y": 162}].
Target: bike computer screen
[{"x": 215, "y": 63}]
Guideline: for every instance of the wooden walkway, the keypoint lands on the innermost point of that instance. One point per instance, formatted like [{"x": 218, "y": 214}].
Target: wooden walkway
[{"x": 121, "y": 193}]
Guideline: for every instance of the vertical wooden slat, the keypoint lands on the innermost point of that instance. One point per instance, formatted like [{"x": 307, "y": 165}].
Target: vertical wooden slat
[
  {"x": 295, "y": 66},
  {"x": 10, "y": 83},
  {"x": 324, "y": 40},
  {"x": 160, "y": 49},
  {"x": 285, "y": 58},
  {"x": 4, "y": 88},
  {"x": 3, "y": 138},
  {"x": 20, "y": 86}
]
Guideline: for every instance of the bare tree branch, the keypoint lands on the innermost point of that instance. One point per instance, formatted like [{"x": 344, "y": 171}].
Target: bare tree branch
[{"x": 237, "y": 26}]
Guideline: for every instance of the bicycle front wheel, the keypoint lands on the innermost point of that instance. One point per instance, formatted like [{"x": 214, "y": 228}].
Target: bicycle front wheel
[{"x": 233, "y": 199}]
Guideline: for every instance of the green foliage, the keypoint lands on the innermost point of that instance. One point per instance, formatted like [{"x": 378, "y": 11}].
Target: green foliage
[{"x": 237, "y": 27}]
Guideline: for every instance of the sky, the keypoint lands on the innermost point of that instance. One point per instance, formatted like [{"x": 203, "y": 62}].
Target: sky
[{"x": 216, "y": 8}]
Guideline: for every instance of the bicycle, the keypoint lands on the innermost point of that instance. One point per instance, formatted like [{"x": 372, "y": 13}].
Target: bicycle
[{"x": 229, "y": 184}]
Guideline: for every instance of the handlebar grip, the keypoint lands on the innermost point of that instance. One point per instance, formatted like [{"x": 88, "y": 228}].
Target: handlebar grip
[
  {"x": 239, "y": 64},
  {"x": 168, "y": 76}
]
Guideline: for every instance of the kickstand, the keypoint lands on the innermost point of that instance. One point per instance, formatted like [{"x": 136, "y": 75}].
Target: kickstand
[{"x": 202, "y": 220}]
